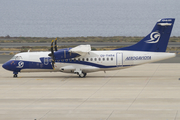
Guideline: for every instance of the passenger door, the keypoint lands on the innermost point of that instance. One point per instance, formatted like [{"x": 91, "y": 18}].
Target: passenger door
[{"x": 119, "y": 59}]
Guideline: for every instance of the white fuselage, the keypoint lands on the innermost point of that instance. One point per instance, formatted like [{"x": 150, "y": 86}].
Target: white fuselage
[{"x": 93, "y": 61}]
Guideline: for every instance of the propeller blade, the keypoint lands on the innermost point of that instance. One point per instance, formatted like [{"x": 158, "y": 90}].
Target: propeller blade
[
  {"x": 53, "y": 64},
  {"x": 55, "y": 47},
  {"x": 52, "y": 51},
  {"x": 52, "y": 54}
]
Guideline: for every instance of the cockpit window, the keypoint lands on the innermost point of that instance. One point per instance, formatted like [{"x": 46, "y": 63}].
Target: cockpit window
[
  {"x": 13, "y": 58},
  {"x": 16, "y": 58}
]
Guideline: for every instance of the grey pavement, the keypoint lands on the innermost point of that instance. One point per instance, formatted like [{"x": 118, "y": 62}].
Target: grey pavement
[
  {"x": 4, "y": 58},
  {"x": 145, "y": 92}
]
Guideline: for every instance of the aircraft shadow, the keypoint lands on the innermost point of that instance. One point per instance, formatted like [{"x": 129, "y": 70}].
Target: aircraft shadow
[{"x": 83, "y": 78}]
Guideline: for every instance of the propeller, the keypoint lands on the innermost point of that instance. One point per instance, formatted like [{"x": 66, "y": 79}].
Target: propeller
[
  {"x": 52, "y": 54},
  {"x": 55, "y": 46}
]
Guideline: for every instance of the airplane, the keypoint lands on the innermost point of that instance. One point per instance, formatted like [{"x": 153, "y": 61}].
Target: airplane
[{"x": 81, "y": 59}]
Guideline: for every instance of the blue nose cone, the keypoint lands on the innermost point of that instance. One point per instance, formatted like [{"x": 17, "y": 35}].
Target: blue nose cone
[
  {"x": 8, "y": 66},
  {"x": 5, "y": 66}
]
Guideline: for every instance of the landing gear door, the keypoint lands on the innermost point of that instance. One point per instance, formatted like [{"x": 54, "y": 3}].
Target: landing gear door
[{"x": 119, "y": 59}]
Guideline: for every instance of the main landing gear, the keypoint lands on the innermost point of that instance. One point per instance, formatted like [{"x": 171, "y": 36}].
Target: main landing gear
[
  {"x": 15, "y": 74},
  {"x": 82, "y": 75},
  {"x": 79, "y": 72}
]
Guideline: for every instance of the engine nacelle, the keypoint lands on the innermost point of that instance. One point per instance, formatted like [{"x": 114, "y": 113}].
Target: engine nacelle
[{"x": 64, "y": 54}]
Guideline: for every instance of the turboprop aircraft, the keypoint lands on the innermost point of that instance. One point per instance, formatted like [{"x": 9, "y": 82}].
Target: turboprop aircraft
[{"x": 81, "y": 60}]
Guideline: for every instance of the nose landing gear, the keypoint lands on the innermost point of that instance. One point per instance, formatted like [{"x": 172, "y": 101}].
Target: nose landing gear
[{"x": 15, "y": 74}]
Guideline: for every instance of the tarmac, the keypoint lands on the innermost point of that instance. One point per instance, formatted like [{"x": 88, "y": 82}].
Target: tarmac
[{"x": 144, "y": 92}]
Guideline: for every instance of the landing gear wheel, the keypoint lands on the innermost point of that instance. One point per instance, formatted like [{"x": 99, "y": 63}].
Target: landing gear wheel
[
  {"x": 85, "y": 74},
  {"x": 15, "y": 76},
  {"x": 82, "y": 75}
]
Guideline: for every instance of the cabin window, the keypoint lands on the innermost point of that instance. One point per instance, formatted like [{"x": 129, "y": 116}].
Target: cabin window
[
  {"x": 62, "y": 60},
  {"x": 99, "y": 59},
  {"x": 70, "y": 60},
  {"x": 82, "y": 59},
  {"x": 103, "y": 59},
  {"x": 107, "y": 59},
  {"x": 111, "y": 58},
  {"x": 91, "y": 59},
  {"x": 66, "y": 60},
  {"x": 87, "y": 59},
  {"x": 79, "y": 59},
  {"x": 95, "y": 59},
  {"x": 74, "y": 60}
]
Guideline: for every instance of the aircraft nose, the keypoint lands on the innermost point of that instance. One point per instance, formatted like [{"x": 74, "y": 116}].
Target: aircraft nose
[
  {"x": 9, "y": 65},
  {"x": 5, "y": 66}
]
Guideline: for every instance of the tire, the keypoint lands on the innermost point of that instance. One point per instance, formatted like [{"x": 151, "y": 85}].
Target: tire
[
  {"x": 82, "y": 75},
  {"x": 15, "y": 76}
]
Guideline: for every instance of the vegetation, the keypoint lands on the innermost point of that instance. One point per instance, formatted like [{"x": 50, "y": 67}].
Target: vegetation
[
  {"x": 8, "y": 39},
  {"x": 42, "y": 48}
]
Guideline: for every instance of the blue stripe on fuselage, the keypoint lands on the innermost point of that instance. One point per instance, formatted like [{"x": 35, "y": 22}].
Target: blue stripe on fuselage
[{"x": 17, "y": 65}]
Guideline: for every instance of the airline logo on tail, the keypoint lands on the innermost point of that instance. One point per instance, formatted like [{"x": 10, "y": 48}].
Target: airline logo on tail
[{"x": 155, "y": 36}]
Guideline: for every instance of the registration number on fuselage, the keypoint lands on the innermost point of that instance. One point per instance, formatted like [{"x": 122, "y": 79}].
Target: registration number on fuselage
[{"x": 107, "y": 55}]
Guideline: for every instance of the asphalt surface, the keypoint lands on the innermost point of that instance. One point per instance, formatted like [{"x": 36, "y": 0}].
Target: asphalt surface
[
  {"x": 149, "y": 91},
  {"x": 93, "y": 44},
  {"x": 145, "y": 92}
]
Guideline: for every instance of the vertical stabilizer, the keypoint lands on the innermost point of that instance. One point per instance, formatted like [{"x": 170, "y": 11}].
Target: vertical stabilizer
[{"x": 157, "y": 40}]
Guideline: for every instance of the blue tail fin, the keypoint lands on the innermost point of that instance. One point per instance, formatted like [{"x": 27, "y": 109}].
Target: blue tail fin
[{"x": 157, "y": 40}]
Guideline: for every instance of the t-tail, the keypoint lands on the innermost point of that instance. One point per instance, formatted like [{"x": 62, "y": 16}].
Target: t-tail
[{"x": 157, "y": 40}]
